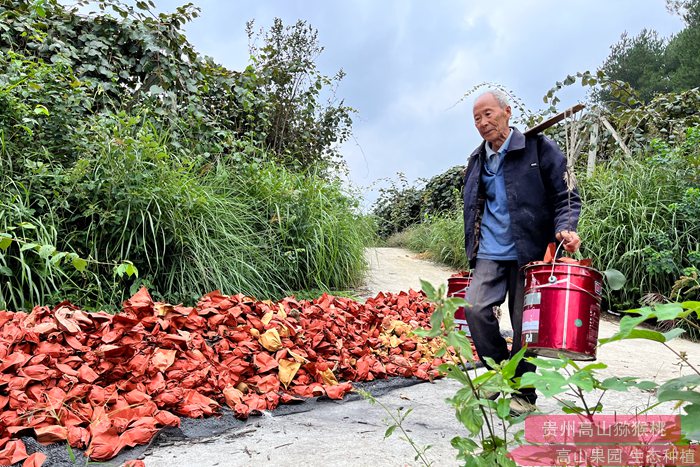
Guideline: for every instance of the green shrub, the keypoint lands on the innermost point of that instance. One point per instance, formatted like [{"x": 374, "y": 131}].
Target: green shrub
[
  {"x": 402, "y": 205},
  {"x": 104, "y": 159},
  {"x": 443, "y": 192},
  {"x": 27, "y": 274},
  {"x": 397, "y": 207},
  {"x": 258, "y": 229}
]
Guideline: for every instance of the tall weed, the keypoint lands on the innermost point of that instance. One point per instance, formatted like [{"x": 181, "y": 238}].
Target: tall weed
[
  {"x": 26, "y": 276},
  {"x": 315, "y": 227}
]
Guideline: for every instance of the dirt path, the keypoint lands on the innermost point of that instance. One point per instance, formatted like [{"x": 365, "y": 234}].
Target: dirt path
[{"x": 351, "y": 432}]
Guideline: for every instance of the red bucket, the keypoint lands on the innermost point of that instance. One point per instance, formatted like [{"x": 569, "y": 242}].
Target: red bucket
[
  {"x": 457, "y": 287},
  {"x": 561, "y": 311}
]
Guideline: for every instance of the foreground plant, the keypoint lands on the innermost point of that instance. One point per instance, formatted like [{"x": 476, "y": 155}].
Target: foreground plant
[
  {"x": 488, "y": 422},
  {"x": 579, "y": 390},
  {"x": 684, "y": 390},
  {"x": 395, "y": 421}
]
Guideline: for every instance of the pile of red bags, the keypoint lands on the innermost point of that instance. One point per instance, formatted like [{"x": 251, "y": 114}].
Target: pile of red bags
[{"x": 102, "y": 382}]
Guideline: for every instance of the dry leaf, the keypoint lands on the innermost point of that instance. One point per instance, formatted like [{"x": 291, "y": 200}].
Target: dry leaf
[
  {"x": 287, "y": 370},
  {"x": 271, "y": 340},
  {"x": 162, "y": 359}
]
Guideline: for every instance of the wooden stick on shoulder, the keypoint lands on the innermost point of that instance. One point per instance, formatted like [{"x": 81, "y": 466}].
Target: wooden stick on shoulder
[{"x": 554, "y": 120}]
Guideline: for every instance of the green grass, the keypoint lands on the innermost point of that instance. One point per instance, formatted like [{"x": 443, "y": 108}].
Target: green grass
[
  {"x": 633, "y": 219},
  {"x": 189, "y": 228}
]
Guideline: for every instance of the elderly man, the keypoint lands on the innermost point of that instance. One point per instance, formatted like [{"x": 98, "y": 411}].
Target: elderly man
[{"x": 516, "y": 201}]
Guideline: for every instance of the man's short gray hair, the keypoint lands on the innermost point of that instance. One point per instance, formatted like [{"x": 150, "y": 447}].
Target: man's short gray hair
[{"x": 500, "y": 96}]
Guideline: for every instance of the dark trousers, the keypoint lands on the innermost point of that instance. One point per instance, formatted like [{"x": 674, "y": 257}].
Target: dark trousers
[{"x": 491, "y": 280}]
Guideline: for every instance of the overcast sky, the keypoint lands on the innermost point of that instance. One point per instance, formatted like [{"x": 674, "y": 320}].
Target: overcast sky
[{"x": 409, "y": 61}]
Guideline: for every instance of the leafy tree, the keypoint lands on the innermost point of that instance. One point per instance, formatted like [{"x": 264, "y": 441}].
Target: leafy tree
[
  {"x": 123, "y": 150},
  {"x": 682, "y": 50},
  {"x": 397, "y": 207},
  {"x": 652, "y": 65},
  {"x": 638, "y": 61},
  {"x": 299, "y": 127},
  {"x": 130, "y": 58},
  {"x": 443, "y": 192}
]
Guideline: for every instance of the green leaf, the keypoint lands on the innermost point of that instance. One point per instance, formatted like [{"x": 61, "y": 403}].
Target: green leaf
[
  {"x": 470, "y": 416},
  {"x": 464, "y": 444},
  {"x": 41, "y": 110},
  {"x": 27, "y": 225},
  {"x": 56, "y": 259},
  {"x": 429, "y": 290},
  {"x": 673, "y": 333},
  {"x": 491, "y": 362},
  {"x": 29, "y": 246},
  {"x": 79, "y": 263},
  {"x": 508, "y": 370},
  {"x": 389, "y": 431},
  {"x": 46, "y": 250},
  {"x": 646, "y": 385},
  {"x": 421, "y": 332},
  {"x": 131, "y": 270},
  {"x": 692, "y": 307},
  {"x": 5, "y": 271},
  {"x": 675, "y": 395},
  {"x": 5, "y": 242},
  {"x": 668, "y": 311},
  {"x": 646, "y": 334},
  {"x": 687, "y": 381},
  {"x": 628, "y": 330},
  {"x": 549, "y": 383},
  {"x": 616, "y": 280},
  {"x": 616, "y": 383},
  {"x": 594, "y": 366},
  {"x": 572, "y": 410},
  {"x": 503, "y": 407},
  {"x": 582, "y": 379},
  {"x": 451, "y": 371},
  {"x": 436, "y": 321},
  {"x": 690, "y": 423},
  {"x": 460, "y": 342},
  {"x": 120, "y": 270},
  {"x": 555, "y": 363}
]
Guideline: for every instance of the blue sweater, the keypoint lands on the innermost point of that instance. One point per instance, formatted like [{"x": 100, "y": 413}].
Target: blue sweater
[{"x": 496, "y": 242}]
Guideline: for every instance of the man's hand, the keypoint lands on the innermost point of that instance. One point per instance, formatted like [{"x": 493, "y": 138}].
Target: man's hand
[{"x": 570, "y": 239}]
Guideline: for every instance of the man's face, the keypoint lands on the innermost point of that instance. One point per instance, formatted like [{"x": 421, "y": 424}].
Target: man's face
[{"x": 491, "y": 120}]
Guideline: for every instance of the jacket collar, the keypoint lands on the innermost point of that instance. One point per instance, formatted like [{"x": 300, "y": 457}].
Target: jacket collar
[{"x": 517, "y": 141}]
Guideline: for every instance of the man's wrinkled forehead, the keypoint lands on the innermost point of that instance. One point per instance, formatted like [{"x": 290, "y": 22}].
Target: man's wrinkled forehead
[{"x": 483, "y": 104}]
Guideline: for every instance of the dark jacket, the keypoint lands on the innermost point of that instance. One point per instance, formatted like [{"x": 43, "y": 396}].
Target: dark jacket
[{"x": 539, "y": 202}]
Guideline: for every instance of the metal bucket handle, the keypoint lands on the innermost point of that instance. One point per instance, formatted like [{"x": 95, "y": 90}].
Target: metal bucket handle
[
  {"x": 553, "y": 279},
  {"x": 566, "y": 281}
]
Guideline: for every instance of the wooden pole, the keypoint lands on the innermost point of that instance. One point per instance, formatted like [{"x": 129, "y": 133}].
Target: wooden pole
[
  {"x": 615, "y": 136},
  {"x": 554, "y": 120},
  {"x": 592, "y": 150}
]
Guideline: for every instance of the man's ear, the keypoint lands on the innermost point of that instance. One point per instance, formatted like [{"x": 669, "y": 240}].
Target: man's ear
[{"x": 508, "y": 111}]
